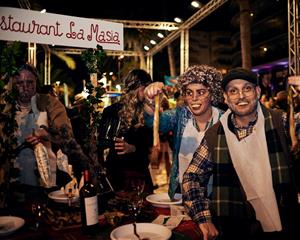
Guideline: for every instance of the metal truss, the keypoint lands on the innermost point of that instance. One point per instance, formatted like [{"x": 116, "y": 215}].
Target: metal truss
[
  {"x": 294, "y": 37},
  {"x": 194, "y": 19},
  {"x": 24, "y": 4},
  {"x": 108, "y": 52},
  {"x": 177, "y": 31},
  {"x": 147, "y": 24}
]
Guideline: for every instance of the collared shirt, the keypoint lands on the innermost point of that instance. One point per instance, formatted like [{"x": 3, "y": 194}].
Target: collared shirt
[{"x": 241, "y": 132}]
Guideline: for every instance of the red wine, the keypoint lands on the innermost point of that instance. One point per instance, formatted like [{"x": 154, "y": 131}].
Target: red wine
[{"x": 89, "y": 206}]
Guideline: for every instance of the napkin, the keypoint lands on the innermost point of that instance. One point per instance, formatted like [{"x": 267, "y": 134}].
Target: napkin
[
  {"x": 170, "y": 222},
  {"x": 179, "y": 211}
]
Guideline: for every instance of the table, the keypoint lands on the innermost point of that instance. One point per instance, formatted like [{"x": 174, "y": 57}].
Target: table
[{"x": 187, "y": 230}]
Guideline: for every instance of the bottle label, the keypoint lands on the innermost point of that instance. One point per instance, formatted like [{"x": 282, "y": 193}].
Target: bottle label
[{"x": 91, "y": 210}]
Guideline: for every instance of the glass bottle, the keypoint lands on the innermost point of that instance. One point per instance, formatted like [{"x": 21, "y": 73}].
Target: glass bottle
[
  {"x": 104, "y": 189},
  {"x": 89, "y": 206}
]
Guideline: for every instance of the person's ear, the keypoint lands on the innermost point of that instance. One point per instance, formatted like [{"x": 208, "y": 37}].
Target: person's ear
[
  {"x": 258, "y": 92},
  {"x": 225, "y": 97}
]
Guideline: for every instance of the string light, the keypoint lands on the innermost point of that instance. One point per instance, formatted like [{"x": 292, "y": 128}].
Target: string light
[
  {"x": 196, "y": 4},
  {"x": 153, "y": 42},
  {"x": 178, "y": 20},
  {"x": 160, "y": 35}
]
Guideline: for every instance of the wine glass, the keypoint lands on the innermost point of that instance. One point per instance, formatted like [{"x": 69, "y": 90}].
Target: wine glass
[
  {"x": 112, "y": 130},
  {"x": 38, "y": 210},
  {"x": 135, "y": 201}
]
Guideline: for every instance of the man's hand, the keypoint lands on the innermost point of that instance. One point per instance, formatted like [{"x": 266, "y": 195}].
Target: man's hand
[
  {"x": 123, "y": 147},
  {"x": 39, "y": 135},
  {"x": 209, "y": 231}
]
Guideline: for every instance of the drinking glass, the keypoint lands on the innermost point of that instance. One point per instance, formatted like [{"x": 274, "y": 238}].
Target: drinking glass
[
  {"x": 112, "y": 130},
  {"x": 38, "y": 210},
  {"x": 135, "y": 201}
]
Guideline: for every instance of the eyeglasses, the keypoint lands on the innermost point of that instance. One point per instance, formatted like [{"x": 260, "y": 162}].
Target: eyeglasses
[
  {"x": 200, "y": 93},
  {"x": 234, "y": 93}
]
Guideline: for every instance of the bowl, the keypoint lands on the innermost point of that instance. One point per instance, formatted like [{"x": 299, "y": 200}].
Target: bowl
[
  {"x": 163, "y": 200},
  {"x": 147, "y": 231}
]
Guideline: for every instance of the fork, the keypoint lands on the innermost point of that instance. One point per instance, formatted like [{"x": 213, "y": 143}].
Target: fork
[{"x": 135, "y": 232}]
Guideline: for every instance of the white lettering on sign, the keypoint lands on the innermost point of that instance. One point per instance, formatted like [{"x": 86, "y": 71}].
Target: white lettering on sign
[
  {"x": 294, "y": 80},
  {"x": 48, "y": 28}
]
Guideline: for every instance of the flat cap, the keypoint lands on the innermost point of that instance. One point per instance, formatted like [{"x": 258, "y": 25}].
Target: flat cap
[{"x": 239, "y": 73}]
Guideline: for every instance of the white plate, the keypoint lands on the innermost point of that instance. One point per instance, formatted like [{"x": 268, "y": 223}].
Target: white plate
[
  {"x": 60, "y": 197},
  {"x": 163, "y": 200},
  {"x": 150, "y": 231},
  {"x": 9, "y": 224}
]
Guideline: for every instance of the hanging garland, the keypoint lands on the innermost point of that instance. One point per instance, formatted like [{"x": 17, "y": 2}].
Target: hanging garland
[
  {"x": 11, "y": 56},
  {"x": 94, "y": 61}
]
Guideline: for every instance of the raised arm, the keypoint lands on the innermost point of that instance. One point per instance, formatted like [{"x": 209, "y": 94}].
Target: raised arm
[{"x": 150, "y": 92}]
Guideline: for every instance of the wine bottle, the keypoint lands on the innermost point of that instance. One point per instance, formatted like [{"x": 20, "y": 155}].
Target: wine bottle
[
  {"x": 89, "y": 206},
  {"x": 104, "y": 188}
]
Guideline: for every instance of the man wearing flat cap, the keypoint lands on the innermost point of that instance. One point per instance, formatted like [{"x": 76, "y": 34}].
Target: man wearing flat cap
[{"x": 253, "y": 193}]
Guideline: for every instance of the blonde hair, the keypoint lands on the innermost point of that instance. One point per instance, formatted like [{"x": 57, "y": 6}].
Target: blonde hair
[{"x": 132, "y": 111}]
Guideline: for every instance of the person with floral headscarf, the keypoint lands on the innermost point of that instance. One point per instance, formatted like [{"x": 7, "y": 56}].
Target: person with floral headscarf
[
  {"x": 123, "y": 138},
  {"x": 200, "y": 86},
  {"x": 32, "y": 154}
]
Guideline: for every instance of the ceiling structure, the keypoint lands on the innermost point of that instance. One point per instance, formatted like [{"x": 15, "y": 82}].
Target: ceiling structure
[{"x": 223, "y": 18}]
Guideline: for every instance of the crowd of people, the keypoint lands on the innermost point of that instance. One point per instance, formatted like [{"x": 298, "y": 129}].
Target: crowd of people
[{"x": 232, "y": 160}]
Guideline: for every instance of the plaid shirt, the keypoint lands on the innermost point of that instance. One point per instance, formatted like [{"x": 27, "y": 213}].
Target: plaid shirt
[{"x": 197, "y": 175}]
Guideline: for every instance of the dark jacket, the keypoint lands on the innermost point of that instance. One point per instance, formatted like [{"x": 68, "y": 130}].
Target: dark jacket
[{"x": 120, "y": 168}]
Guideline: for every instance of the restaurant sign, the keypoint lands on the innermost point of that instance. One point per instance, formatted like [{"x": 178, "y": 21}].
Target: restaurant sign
[{"x": 47, "y": 28}]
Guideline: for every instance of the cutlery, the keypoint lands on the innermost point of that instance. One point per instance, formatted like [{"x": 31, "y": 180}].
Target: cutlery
[{"x": 135, "y": 232}]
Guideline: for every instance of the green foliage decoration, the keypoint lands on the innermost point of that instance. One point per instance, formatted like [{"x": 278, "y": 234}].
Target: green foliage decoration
[
  {"x": 94, "y": 59},
  {"x": 11, "y": 55},
  {"x": 92, "y": 104}
]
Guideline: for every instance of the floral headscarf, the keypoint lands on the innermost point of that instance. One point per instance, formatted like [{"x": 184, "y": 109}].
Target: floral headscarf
[{"x": 206, "y": 75}]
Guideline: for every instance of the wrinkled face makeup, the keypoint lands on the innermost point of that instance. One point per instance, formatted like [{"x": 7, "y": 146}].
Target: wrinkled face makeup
[
  {"x": 25, "y": 84},
  {"x": 242, "y": 97},
  {"x": 198, "y": 98}
]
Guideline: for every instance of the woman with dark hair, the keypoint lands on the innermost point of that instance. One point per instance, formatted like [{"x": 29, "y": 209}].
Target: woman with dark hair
[{"x": 123, "y": 135}]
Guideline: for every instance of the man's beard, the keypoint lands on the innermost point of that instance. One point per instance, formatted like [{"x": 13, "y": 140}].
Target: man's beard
[{"x": 25, "y": 97}]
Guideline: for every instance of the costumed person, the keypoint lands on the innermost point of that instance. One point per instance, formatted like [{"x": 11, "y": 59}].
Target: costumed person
[
  {"x": 32, "y": 161},
  {"x": 200, "y": 87},
  {"x": 247, "y": 153}
]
